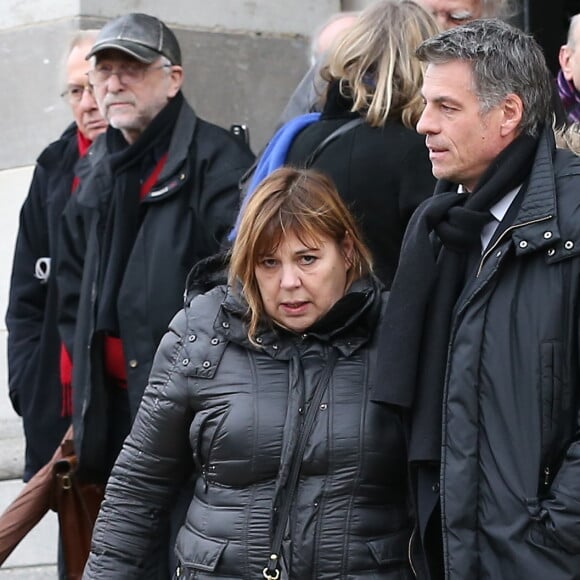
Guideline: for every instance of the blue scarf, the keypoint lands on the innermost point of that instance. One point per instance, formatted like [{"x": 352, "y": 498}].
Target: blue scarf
[{"x": 274, "y": 156}]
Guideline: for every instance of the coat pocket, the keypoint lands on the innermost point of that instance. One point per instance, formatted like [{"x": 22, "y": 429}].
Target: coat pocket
[
  {"x": 392, "y": 549},
  {"x": 198, "y": 552}
]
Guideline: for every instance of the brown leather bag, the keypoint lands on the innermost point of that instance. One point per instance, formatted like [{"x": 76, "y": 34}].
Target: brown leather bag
[
  {"x": 77, "y": 505},
  {"x": 27, "y": 509}
]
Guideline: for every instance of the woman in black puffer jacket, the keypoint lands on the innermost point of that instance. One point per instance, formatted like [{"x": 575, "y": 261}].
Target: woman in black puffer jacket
[{"x": 242, "y": 372}]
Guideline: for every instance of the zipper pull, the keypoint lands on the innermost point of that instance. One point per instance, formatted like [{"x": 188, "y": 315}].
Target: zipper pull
[{"x": 546, "y": 476}]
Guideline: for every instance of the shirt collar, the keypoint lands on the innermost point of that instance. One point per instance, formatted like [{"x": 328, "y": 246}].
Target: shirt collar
[{"x": 499, "y": 209}]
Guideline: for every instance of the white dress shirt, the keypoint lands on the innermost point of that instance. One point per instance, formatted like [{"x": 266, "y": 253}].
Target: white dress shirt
[{"x": 498, "y": 211}]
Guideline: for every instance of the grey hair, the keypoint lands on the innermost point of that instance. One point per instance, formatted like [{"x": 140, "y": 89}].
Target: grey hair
[
  {"x": 497, "y": 8},
  {"x": 504, "y": 61},
  {"x": 82, "y": 37},
  {"x": 571, "y": 40},
  {"x": 79, "y": 38},
  {"x": 346, "y": 14},
  {"x": 165, "y": 62}
]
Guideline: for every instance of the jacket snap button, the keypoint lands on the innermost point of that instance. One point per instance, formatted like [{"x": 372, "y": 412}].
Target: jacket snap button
[
  {"x": 259, "y": 340},
  {"x": 547, "y": 235},
  {"x": 206, "y": 364},
  {"x": 551, "y": 252},
  {"x": 192, "y": 338},
  {"x": 569, "y": 245},
  {"x": 225, "y": 324},
  {"x": 498, "y": 255},
  {"x": 214, "y": 341},
  {"x": 185, "y": 362},
  {"x": 323, "y": 407},
  {"x": 133, "y": 363},
  {"x": 435, "y": 487},
  {"x": 275, "y": 346},
  {"x": 523, "y": 244}
]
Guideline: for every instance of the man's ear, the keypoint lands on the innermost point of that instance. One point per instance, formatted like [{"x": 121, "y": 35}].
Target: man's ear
[
  {"x": 176, "y": 76},
  {"x": 565, "y": 59},
  {"x": 513, "y": 110}
]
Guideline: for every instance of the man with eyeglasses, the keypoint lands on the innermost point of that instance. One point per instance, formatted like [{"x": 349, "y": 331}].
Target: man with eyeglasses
[
  {"x": 158, "y": 193},
  {"x": 39, "y": 392},
  {"x": 450, "y": 13}
]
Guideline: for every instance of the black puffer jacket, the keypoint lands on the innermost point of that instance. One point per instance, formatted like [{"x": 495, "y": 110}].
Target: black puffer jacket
[
  {"x": 232, "y": 411},
  {"x": 185, "y": 217}
]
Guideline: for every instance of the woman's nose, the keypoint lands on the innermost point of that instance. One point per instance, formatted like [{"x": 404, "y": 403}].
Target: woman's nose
[{"x": 290, "y": 277}]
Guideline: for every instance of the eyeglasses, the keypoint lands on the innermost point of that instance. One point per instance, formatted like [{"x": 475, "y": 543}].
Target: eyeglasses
[
  {"x": 74, "y": 93},
  {"x": 128, "y": 74}
]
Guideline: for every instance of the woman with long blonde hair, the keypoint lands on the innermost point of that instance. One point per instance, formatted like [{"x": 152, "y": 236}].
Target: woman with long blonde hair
[{"x": 381, "y": 167}]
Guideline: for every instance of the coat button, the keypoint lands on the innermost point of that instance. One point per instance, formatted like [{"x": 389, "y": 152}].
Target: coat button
[
  {"x": 523, "y": 244},
  {"x": 547, "y": 235},
  {"x": 569, "y": 245},
  {"x": 225, "y": 324},
  {"x": 215, "y": 341},
  {"x": 185, "y": 362},
  {"x": 206, "y": 364},
  {"x": 259, "y": 339},
  {"x": 551, "y": 252},
  {"x": 192, "y": 338},
  {"x": 133, "y": 363}
]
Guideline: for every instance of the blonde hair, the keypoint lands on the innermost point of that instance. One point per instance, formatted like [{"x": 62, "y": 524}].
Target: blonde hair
[
  {"x": 568, "y": 137},
  {"x": 301, "y": 201},
  {"x": 375, "y": 61}
]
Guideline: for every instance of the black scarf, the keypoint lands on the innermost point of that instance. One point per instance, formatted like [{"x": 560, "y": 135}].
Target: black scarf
[
  {"x": 426, "y": 287},
  {"x": 130, "y": 164}
]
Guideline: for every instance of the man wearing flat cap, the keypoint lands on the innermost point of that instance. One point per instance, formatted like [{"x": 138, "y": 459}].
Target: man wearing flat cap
[{"x": 158, "y": 193}]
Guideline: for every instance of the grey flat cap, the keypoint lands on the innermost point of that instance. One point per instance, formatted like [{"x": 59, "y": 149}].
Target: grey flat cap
[{"x": 142, "y": 36}]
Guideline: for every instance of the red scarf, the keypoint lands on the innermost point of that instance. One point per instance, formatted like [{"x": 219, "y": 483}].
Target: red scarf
[{"x": 83, "y": 144}]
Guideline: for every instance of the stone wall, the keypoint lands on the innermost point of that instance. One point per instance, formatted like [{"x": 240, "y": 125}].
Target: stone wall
[{"x": 242, "y": 59}]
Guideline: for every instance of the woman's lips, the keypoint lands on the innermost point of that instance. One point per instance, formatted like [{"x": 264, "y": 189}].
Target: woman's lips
[{"x": 294, "y": 307}]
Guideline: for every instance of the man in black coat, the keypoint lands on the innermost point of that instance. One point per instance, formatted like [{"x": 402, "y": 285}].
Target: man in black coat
[
  {"x": 39, "y": 387},
  {"x": 483, "y": 317},
  {"x": 158, "y": 193}
]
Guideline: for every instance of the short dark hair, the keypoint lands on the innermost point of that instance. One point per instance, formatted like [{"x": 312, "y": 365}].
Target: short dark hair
[{"x": 504, "y": 60}]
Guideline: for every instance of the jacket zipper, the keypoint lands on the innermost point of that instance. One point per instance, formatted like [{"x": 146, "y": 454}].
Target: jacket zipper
[
  {"x": 501, "y": 237},
  {"x": 271, "y": 571},
  {"x": 454, "y": 326}
]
